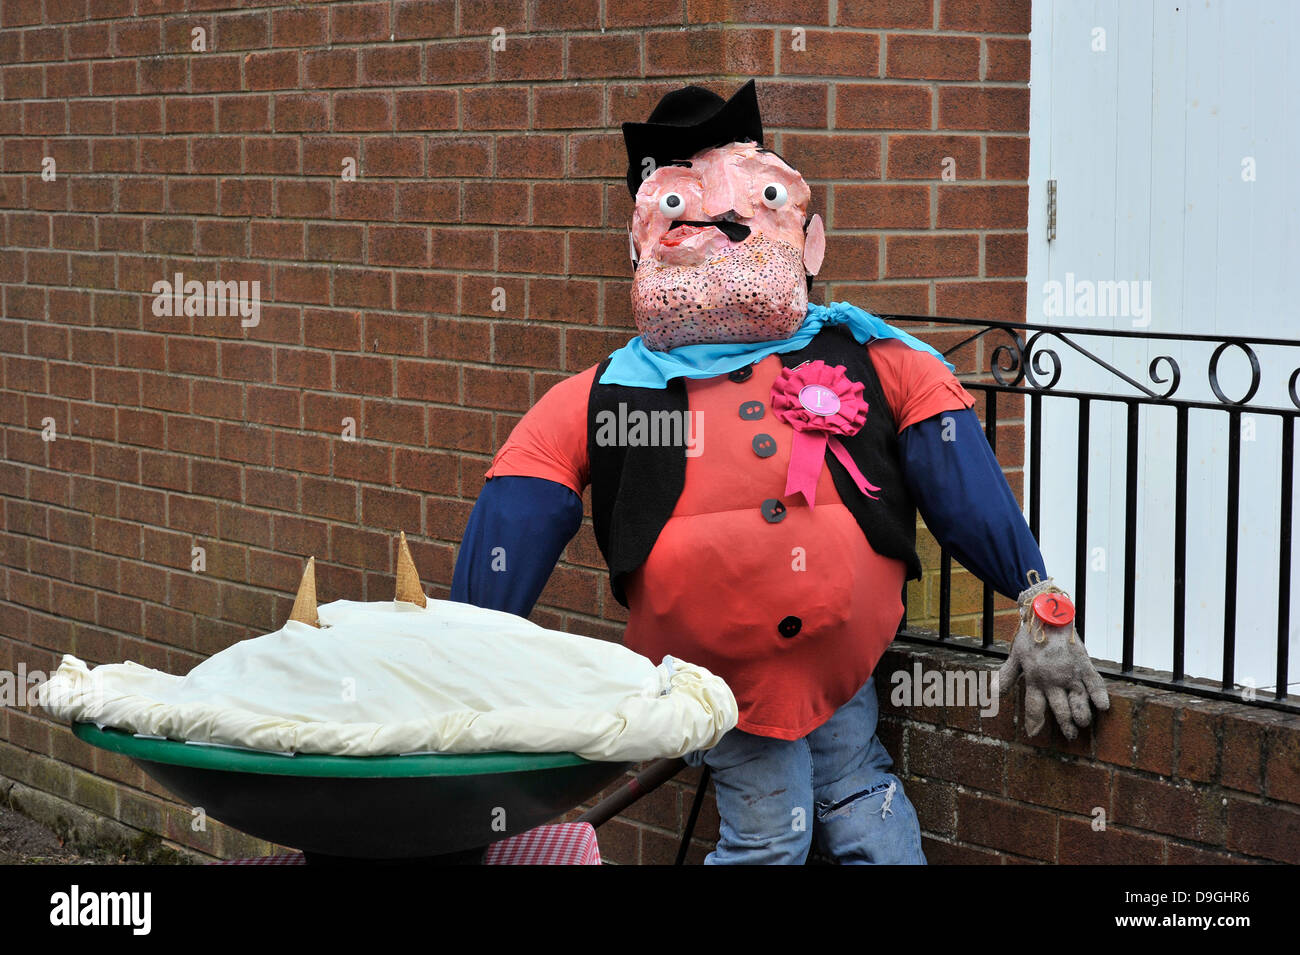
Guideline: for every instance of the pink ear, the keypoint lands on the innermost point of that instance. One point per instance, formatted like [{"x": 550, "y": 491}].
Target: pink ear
[{"x": 814, "y": 245}]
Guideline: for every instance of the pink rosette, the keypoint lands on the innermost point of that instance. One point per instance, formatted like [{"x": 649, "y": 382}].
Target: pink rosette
[{"x": 820, "y": 403}]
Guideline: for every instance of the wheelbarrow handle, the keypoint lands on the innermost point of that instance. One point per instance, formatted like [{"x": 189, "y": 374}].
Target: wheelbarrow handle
[{"x": 642, "y": 784}]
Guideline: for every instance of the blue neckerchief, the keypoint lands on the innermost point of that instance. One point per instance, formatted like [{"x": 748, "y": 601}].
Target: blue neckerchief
[{"x": 640, "y": 367}]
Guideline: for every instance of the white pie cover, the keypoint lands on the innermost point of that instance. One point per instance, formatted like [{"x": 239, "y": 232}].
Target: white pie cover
[{"x": 384, "y": 678}]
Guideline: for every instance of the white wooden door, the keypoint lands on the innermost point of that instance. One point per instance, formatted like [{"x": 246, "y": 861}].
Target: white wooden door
[{"x": 1172, "y": 131}]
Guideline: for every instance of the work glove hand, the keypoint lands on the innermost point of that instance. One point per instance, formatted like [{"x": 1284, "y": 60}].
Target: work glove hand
[{"x": 1057, "y": 668}]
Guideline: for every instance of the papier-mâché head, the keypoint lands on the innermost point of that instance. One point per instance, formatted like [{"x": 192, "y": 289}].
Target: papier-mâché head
[
  {"x": 721, "y": 250},
  {"x": 720, "y": 236}
]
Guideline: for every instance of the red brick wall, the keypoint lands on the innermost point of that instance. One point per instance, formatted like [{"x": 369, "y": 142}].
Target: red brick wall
[{"x": 476, "y": 170}]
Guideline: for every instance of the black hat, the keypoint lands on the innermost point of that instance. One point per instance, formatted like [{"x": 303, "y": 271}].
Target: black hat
[{"x": 687, "y": 121}]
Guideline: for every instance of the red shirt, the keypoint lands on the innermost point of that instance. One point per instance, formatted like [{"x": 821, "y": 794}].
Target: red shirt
[{"x": 721, "y": 578}]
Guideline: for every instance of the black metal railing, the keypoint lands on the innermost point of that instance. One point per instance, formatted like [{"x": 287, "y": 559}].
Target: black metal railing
[{"x": 1021, "y": 364}]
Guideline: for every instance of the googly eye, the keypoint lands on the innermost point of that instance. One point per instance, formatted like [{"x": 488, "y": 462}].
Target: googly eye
[
  {"x": 774, "y": 195},
  {"x": 672, "y": 205}
]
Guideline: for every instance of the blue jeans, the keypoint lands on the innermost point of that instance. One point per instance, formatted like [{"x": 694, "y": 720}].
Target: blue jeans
[{"x": 775, "y": 796}]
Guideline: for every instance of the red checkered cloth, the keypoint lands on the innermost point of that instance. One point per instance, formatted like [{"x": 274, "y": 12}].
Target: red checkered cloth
[
  {"x": 565, "y": 843},
  {"x": 290, "y": 858}
]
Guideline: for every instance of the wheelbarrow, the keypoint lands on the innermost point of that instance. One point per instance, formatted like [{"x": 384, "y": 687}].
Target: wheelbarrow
[
  {"x": 418, "y": 807},
  {"x": 439, "y": 809}
]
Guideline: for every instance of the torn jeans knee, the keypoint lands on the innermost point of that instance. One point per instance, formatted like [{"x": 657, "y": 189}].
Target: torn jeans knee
[{"x": 867, "y": 819}]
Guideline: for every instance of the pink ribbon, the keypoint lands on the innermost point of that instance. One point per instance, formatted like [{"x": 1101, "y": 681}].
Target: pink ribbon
[{"x": 817, "y": 419}]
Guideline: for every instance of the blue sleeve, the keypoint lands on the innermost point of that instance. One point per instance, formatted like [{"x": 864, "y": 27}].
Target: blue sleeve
[
  {"x": 515, "y": 534},
  {"x": 961, "y": 492}
]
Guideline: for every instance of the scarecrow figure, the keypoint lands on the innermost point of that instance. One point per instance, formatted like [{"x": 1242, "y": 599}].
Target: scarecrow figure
[{"x": 756, "y": 463}]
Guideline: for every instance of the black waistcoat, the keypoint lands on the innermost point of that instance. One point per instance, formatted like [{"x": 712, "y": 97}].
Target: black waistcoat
[{"x": 634, "y": 488}]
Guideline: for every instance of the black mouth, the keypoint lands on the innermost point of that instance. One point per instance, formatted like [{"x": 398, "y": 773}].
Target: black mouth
[{"x": 735, "y": 231}]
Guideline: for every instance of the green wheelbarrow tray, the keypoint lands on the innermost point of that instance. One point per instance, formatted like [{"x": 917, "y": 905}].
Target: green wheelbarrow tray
[{"x": 418, "y": 807}]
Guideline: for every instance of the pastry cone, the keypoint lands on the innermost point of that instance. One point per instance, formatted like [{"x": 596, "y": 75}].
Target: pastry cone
[
  {"x": 304, "y": 604},
  {"x": 408, "y": 578}
]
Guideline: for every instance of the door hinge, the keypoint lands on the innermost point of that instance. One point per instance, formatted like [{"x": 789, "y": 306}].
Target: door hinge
[{"x": 1051, "y": 209}]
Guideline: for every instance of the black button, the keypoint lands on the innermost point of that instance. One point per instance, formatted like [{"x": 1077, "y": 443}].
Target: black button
[
  {"x": 764, "y": 445},
  {"x": 789, "y": 627},
  {"x": 742, "y": 374},
  {"x": 752, "y": 410},
  {"x": 773, "y": 510}
]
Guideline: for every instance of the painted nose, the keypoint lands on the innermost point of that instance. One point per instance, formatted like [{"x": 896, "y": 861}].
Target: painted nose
[{"x": 724, "y": 193}]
